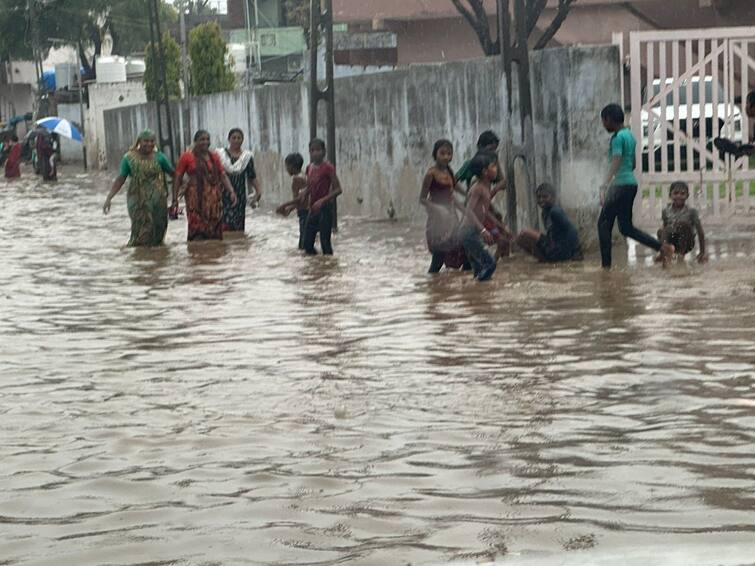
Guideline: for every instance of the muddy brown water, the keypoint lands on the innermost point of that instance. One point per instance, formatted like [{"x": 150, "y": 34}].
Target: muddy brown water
[{"x": 236, "y": 403}]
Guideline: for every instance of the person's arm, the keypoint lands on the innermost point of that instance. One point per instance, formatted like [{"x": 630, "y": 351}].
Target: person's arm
[
  {"x": 499, "y": 187},
  {"x": 228, "y": 187},
  {"x": 117, "y": 186},
  {"x": 702, "y": 257},
  {"x": 425, "y": 190},
  {"x": 474, "y": 199},
  {"x": 612, "y": 170},
  {"x": 123, "y": 172},
  {"x": 253, "y": 182},
  {"x": 177, "y": 179}
]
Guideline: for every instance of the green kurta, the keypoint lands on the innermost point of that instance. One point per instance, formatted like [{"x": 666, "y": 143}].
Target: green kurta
[{"x": 147, "y": 197}]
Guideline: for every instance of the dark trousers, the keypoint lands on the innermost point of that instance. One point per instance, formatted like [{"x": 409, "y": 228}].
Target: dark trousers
[
  {"x": 322, "y": 223},
  {"x": 302, "y": 213},
  {"x": 618, "y": 205},
  {"x": 477, "y": 255}
]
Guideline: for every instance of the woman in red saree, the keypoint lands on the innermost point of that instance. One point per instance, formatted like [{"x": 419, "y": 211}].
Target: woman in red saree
[
  {"x": 13, "y": 162},
  {"x": 204, "y": 192}
]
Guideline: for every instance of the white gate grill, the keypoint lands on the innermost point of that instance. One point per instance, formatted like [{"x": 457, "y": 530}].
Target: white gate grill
[{"x": 689, "y": 87}]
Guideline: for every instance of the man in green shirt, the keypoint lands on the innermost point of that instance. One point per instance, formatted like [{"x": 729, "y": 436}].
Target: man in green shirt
[{"x": 618, "y": 192}]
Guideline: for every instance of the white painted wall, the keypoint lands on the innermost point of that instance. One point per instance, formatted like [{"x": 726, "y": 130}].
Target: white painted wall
[{"x": 107, "y": 96}]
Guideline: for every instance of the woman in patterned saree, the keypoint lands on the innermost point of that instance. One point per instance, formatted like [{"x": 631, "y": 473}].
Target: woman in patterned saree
[
  {"x": 147, "y": 192},
  {"x": 207, "y": 178},
  {"x": 239, "y": 166}
]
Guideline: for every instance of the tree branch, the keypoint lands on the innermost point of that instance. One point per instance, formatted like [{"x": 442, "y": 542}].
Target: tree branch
[
  {"x": 478, "y": 19},
  {"x": 563, "y": 10},
  {"x": 534, "y": 10}
]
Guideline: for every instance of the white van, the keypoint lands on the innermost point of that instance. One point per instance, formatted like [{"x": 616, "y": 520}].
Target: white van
[{"x": 729, "y": 120}]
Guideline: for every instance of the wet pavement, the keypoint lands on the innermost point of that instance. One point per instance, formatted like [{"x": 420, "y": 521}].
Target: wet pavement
[{"x": 237, "y": 403}]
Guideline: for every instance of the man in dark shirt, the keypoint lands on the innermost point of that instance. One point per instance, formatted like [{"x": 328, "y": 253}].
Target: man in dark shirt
[{"x": 560, "y": 242}]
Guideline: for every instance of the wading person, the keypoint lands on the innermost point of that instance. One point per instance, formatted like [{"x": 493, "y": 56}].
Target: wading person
[
  {"x": 147, "y": 197},
  {"x": 681, "y": 224},
  {"x": 560, "y": 242},
  {"x": 46, "y": 156},
  {"x": 437, "y": 196},
  {"x": 618, "y": 192},
  {"x": 13, "y": 161},
  {"x": 474, "y": 234},
  {"x": 239, "y": 166},
  {"x": 300, "y": 198},
  {"x": 488, "y": 142},
  {"x": 323, "y": 188},
  {"x": 207, "y": 179}
]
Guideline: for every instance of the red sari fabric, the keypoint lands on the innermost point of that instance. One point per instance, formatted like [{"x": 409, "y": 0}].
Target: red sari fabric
[
  {"x": 13, "y": 162},
  {"x": 204, "y": 195}
]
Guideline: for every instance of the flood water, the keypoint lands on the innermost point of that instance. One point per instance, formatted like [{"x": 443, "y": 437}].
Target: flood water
[{"x": 236, "y": 403}]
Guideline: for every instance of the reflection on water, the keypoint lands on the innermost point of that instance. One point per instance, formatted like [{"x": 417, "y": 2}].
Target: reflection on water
[{"x": 236, "y": 403}]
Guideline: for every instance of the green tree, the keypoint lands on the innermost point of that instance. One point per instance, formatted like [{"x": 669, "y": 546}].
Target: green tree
[
  {"x": 152, "y": 79},
  {"x": 82, "y": 23},
  {"x": 207, "y": 50}
]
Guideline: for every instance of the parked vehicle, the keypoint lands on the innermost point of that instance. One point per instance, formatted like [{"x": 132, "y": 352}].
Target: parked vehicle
[{"x": 728, "y": 115}]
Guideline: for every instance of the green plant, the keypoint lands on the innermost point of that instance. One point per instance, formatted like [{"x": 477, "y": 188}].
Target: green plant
[
  {"x": 207, "y": 50},
  {"x": 152, "y": 78}
]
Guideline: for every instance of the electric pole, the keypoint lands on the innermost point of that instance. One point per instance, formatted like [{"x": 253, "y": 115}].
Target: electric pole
[{"x": 185, "y": 69}]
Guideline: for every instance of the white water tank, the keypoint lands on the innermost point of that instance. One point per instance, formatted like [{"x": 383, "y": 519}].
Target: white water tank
[
  {"x": 135, "y": 67},
  {"x": 236, "y": 57},
  {"x": 66, "y": 76},
  {"x": 111, "y": 69}
]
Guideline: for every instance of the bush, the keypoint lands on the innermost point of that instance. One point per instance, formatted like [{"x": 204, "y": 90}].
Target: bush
[{"x": 207, "y": 51}]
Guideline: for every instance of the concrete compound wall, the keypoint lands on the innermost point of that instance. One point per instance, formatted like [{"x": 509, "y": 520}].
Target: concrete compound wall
[
  {"x": 387, "y": 124},
  {"x": 102, "y": 97}
]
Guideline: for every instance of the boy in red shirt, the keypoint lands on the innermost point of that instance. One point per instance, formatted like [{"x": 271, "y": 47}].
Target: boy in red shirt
[{"x": 323, "y": 187}]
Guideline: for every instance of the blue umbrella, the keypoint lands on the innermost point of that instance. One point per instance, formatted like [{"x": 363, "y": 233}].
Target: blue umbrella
[{"x": 61, "y": 126}]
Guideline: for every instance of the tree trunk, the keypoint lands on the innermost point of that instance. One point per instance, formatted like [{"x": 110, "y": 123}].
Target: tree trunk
[{"x": 525, "y": 110}]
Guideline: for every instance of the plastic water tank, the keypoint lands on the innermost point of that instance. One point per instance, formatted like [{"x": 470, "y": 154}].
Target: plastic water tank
[
  {"x": 111, "y": 70},
  {"x": 236, "y": 57},
  {"x": 66, "y": 76},
  {"x": 135, "y": 67}
]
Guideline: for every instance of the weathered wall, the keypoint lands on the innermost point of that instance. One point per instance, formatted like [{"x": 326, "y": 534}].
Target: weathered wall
[
  {"x": 387, "y": 124},
  {"x": 102, "y": 97},
  {"x": 570, "y": 86}
]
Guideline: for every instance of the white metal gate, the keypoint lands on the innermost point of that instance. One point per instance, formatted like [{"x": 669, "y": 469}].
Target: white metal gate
[{"x": 689, "y": 87}]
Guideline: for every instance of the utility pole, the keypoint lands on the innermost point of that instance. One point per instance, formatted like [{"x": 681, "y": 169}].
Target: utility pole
[
  {"x": 163, "y": 100},
  {"x": 81, "y": 113},
  {"x": 185, "y": 70},
  {"x": 319, "y": 16},
  {"x": 248, "y": 51}
]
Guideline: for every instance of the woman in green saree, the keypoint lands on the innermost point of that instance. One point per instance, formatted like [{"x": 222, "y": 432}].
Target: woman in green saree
[{"x": 147, "y": 192}]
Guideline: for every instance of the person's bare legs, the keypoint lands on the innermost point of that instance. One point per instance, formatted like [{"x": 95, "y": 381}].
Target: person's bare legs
[{"x": 527, "y": 240}]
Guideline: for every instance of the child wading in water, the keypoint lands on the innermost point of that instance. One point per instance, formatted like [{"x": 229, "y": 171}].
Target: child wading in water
[
  {"x": 618, "y": 192},
  {"x": 681, "y": 223},
  {"x": 323, "y": 188},
  {"x": 560, "y": 241},
  {"x": 294, "y": 163},
  {"x": 488, "y": 143},
  {"x": 484, "y": 166},
  {"x": 437, "y": 196}
]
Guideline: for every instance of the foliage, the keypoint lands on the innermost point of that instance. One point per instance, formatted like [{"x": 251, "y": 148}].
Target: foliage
[
  {"x": 81, "y": 23},
  {"x": 152, "y": 79},
  {"x": 196, "y": 7},
  {"x": 207, "y": 50}
]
